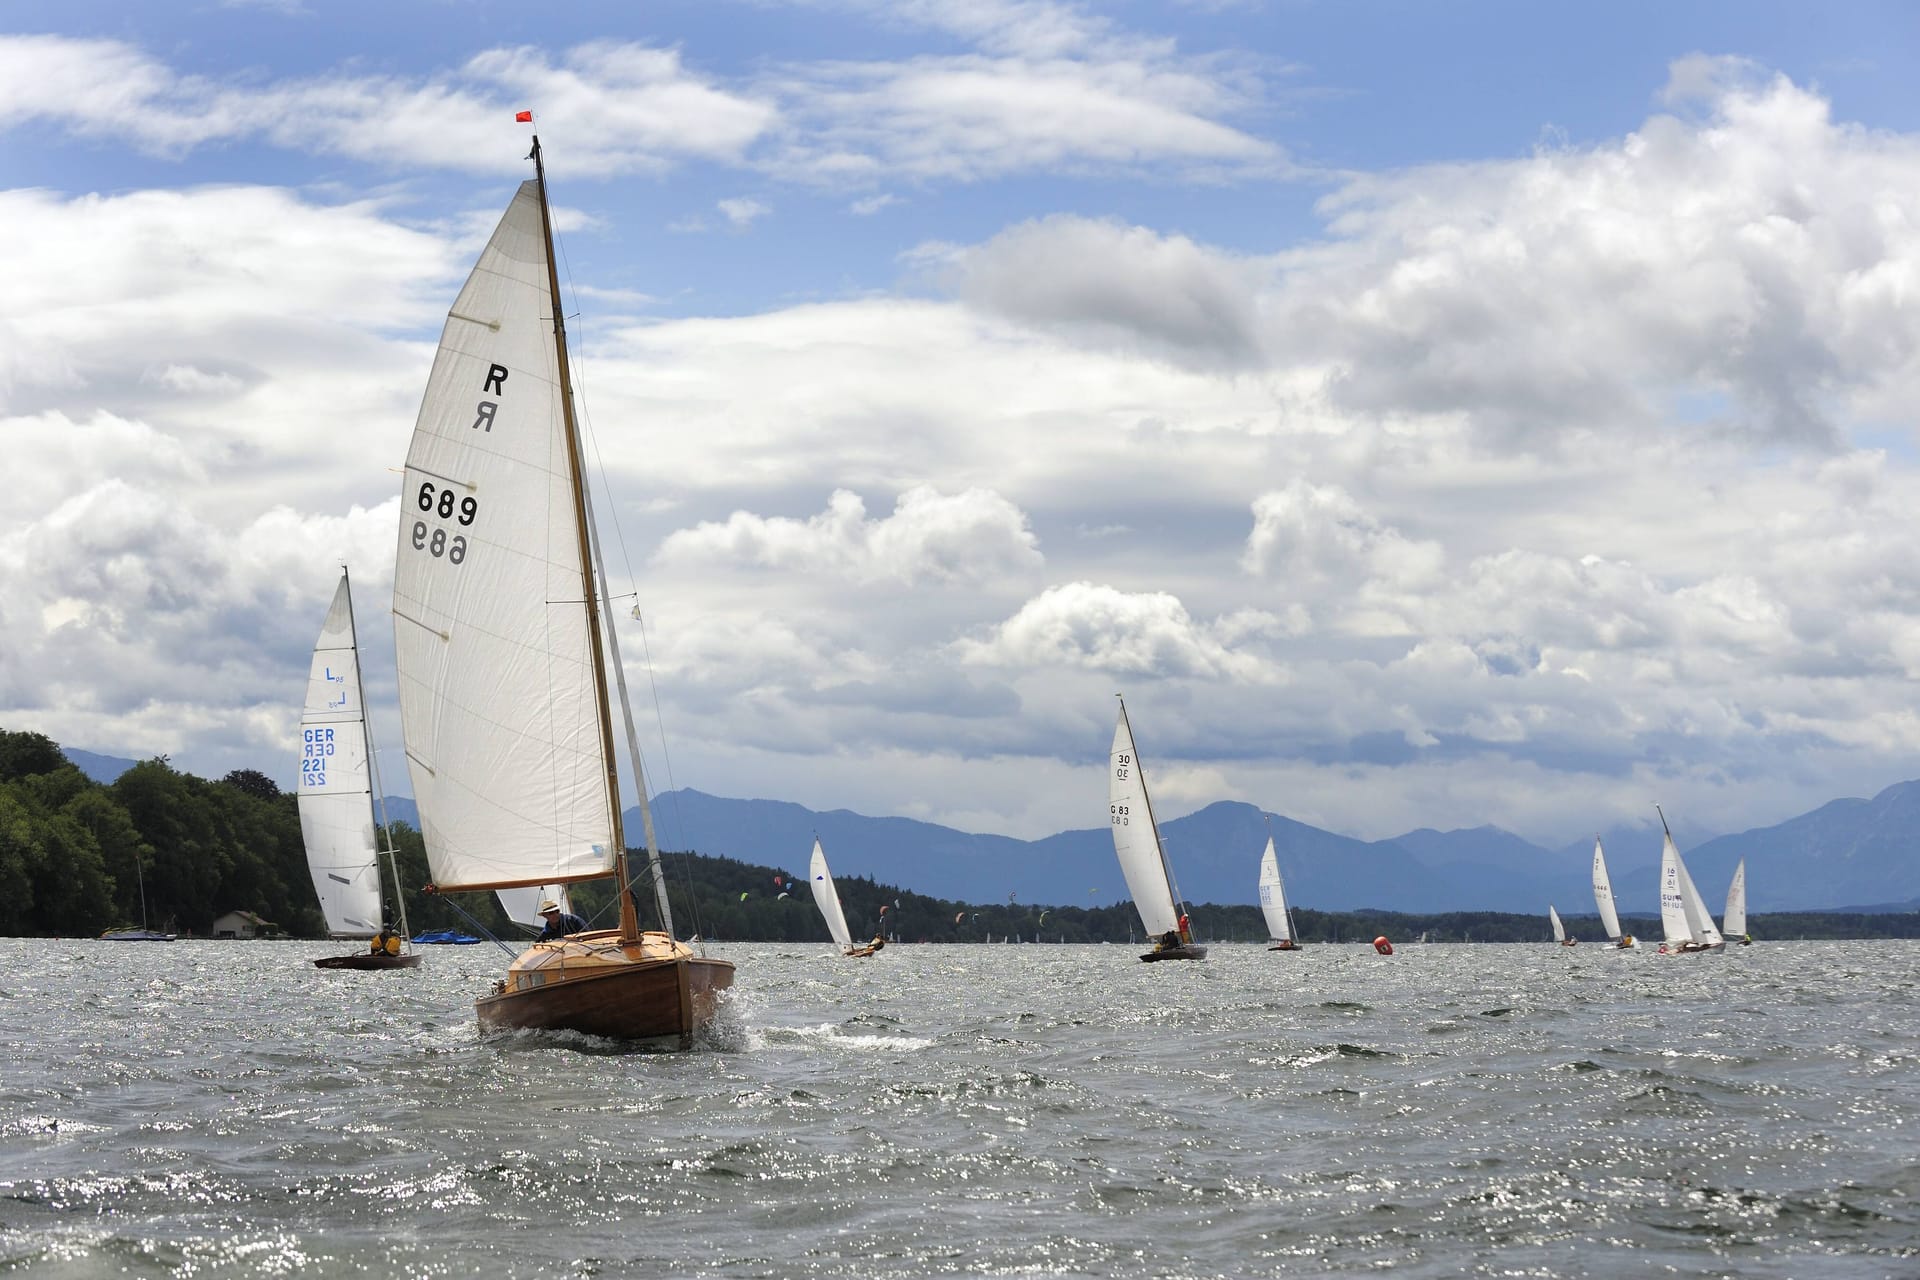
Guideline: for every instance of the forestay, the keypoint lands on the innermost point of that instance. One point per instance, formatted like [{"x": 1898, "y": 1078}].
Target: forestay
[
  {"x": 1136, "y": 840},
  {"x": 827, "y": 898},
  {"x": 1273, "y": 897},
  {"x": 498, "y": 698},
  {"x": 335, "y": 798}
]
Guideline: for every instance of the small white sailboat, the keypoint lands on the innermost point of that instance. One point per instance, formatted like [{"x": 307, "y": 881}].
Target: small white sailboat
[
  {"x": 505, "y": 655},
  {"x": 1560, "y": 930},
  {"x": 1143, "y": 859},
  {"x": 1603, "y": 899},
  {"x": 1733, "y": 923},
  {"x": 143, "y": 933},
  {"x": 1273, "y": 903},
  {"x": 339, "y": 789},
  {"x": 827, "y": 898},
  {"x": 1683, "y": 915}
]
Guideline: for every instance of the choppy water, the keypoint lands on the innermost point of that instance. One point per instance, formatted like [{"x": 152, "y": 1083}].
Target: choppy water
[{"x": 224, "y": 1109}]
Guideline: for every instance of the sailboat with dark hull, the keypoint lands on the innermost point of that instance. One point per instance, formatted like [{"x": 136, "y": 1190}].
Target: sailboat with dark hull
[
  {"x": 503, "y": 650},
  {"x": 1142, "y": 855},
  {"x": 339, "y": 788}
]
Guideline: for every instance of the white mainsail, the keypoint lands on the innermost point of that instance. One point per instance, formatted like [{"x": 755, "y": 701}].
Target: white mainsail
[
  {"x": 1559, "y": 930},
  {"x": 1136, "y": 839},
  {"x": 498, "y": 696},
  {"x": 1734, "y": 922},
  {"x": 336, "y": 791},
  {"x": 1603, "y": 893},
  {"x": 1683, "y": 914},
  {"x": 1273, "y": 897},
  {"x": 827, "y": 898}
]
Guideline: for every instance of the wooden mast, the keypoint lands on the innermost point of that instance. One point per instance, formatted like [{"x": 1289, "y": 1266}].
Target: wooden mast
[{"x": 629, "y": 918}]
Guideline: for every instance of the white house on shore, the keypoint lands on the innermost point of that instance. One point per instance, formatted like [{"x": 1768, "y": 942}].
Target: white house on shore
[{"x": 244, "y": 924}]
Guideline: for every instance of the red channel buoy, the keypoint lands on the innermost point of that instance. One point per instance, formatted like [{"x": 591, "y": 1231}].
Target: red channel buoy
[{"x": 1381, "y": 945}]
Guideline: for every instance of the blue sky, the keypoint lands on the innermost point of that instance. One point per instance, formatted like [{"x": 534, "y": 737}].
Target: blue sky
[{"x": 1428, "y": 415}]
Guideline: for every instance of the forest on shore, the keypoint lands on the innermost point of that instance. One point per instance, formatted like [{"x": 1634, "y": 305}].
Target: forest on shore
[{"x": 174, "y": 851}]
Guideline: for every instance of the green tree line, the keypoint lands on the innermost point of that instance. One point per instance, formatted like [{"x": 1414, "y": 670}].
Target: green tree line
[{"x": 77, "y": 855}]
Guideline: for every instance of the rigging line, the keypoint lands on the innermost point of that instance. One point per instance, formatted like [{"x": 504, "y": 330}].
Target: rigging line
[{"x": 585, "y": 418}]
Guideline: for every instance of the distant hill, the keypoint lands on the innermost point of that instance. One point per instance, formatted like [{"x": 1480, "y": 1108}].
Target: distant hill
[
  {"x": 99, "y": 768},
  {"x": 1846, "y": 853}
]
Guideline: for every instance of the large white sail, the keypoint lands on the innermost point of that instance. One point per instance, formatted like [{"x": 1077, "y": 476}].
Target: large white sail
[
  {"x": 1734, "y": 922},
  {"x": 827, "y": 898},
  {"x": 1603, "y": 893},
  {"x": 498, "y": 698},
  {"x": 1273, "y": 897},
  {"x": 1559, "y": 930},
  {"x": 335, "y": 798},
  {"x": 1136, "y": 840},
  {"x": 1683, "y": 914}
]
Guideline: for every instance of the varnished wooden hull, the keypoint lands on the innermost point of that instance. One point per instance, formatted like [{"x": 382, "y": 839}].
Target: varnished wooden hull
[
  {"x": 367, "y": 960},
  {"x": 651, "y": 990},
  {"x": 1186, "y": 951},
  {"x": 1285, "y": 946}
]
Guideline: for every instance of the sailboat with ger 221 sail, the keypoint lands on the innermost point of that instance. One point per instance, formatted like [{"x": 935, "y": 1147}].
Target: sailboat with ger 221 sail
[
  {"x": 503, "y": 656},
  {"x": 339, "y": 785},
  {"x": 1143, "y": 859}
]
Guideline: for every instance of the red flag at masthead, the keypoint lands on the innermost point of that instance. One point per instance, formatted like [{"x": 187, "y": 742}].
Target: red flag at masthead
[{"x": 524, "y": 117}]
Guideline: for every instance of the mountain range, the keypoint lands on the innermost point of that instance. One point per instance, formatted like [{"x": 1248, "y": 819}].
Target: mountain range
[{"x": 1849, "y": 853}]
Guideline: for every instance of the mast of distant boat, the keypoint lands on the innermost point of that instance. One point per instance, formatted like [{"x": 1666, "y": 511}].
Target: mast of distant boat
[{"x": 379, "y": 796}]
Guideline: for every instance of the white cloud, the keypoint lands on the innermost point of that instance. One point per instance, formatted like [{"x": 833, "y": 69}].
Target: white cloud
[
  {"x": 1082, "y": 624},
  {"x": 974, "y": 536},
  {"x": 742, "y": 212}
]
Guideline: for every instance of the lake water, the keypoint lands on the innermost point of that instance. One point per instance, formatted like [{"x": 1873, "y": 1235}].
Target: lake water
[{"x": 225, "y": 1109}]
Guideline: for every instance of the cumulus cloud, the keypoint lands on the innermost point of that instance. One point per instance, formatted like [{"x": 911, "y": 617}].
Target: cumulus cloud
[
  {"x": 972, "y": 536},
  {"x": 1085, "y": 625}
]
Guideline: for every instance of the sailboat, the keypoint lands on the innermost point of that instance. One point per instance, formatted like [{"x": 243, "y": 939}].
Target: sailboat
[
  {"x": 1560, "y": 930},
  {"x": 142, "y": 934},
  {"x": 827, "y": 898},
  {"x": 338, "y": 786},
  {"x": 1603, "y": 899},
  {"x": 1682, "y": 912},
  {"x": 1143, "y": 860},
  {"x": 1273, "y": 903},
  {"x": 1734, "y": 922},
  {"x": 504, "y": 656}
]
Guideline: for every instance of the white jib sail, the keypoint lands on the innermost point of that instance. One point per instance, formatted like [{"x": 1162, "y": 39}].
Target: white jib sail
[
  {"x": 497, "y": 693},
  {"x": 1559, "y": 930},
  {"x": 1603, "y": 893},
  {"x": 1699, "y": 922},
  {"x": 336, "y": 793},
  {"x": 827, "y": 898},
  {"x": 1734, "y": 922},
  {"x": 522, "y": 905},
  {"x": 1136, "y": 842},
  {"x": 1273, "y": 896}
]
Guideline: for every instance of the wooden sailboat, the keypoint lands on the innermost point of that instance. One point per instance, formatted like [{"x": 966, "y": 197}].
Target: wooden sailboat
[
  {"x": 1560, "y": 930},
  {"x": 338, "y": 785},
  {"x": 1143, "y": 859},
  {"x": 504, "y": 658},
  {"x": 1273, "y": 903},
  {"x": 827, "y": 898},
  {"x": 1733, "y": 922},
  {"x": 1603, "y": 899},
  {"x": 1683, "y": 915}
]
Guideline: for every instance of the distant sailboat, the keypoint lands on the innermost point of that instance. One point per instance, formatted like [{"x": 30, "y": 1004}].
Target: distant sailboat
[
  {"x": 1136, "y": 842},
  {"x": 142, "y": 934},
  {"x": 505, "y": 655},
  {"x": 1560, "y": 930},
  {"x": 1734, "y": 922},
  {"x": 827, "y": 898},
  {"x": 1603, "y": 899},
  {"x": 339, "y": 786},
  {"x": 1683, "y": 914},
  {"x": 1273, "y": 903}
]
